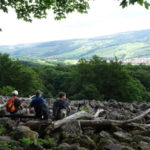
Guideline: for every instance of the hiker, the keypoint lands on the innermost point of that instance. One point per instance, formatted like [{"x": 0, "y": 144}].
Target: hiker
[
  {"x": 40, "y": 106},
  {"x": 61, "y": 107},
  {"x": 14, "y": 105}
]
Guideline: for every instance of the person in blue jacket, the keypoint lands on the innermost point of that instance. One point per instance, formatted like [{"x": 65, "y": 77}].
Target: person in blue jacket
[{"x": 40, "y": 106}]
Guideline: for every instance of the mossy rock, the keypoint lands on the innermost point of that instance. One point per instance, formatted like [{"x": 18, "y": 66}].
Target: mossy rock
[
  {"x": 102, "y": 143},
  {"x": 87, "y": 142}
]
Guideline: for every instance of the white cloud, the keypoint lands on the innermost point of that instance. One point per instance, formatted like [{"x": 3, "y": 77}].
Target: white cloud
[{"x": 104, "y": 17}]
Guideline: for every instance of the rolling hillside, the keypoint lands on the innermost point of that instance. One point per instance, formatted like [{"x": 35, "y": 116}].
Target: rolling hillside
[{"x": 128, "y": 45}]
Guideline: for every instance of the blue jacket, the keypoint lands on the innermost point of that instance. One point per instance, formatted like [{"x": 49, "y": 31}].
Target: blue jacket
[{"x": 38, "y": 100}]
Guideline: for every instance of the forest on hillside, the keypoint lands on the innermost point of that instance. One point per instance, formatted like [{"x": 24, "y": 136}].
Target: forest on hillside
[{"x": 88, "y": 79}]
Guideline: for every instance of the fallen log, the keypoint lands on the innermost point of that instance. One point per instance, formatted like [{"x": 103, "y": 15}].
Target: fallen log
[
  {"x": 96, "y": 122},
  {"x": 78, "y": 115},
  {"x": 106, "y": 122},
  {"x": 98, "y": 112},
  {"x": 18, "y": 116}
]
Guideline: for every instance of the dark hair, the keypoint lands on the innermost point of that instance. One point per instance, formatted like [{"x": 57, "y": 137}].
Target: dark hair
[
  {"x": 61, "y": 94},
  {"x": 38, "y": 92}
]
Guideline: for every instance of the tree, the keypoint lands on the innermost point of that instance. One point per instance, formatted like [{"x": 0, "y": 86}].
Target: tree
[
  {"x": 14, "y": 75},
  {"x": 98, "y": 79},
  {"x": 29, "y": 9}
]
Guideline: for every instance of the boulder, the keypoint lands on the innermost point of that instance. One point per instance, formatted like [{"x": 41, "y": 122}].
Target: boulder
[
  {"x": 4, "y": 148},
  {"x": 8, "y": 123},
  {"x": 5, "y": 138},
  {"x": 144, "y": 145},
  {"x": 87, "y": 142},
  {"x": 138, "y": 138},
  {"x": 34, "y": 147},
  {"x": 104, "y": 134},
  {"x": 25, "y": 132},
  {"x": 123, "y": 136},
  {"x": 115, "y": 115},
  {"x": 65, "y": 146},
  {"x": 72, "y": 128},
  {"x": 112, "y": 146}
]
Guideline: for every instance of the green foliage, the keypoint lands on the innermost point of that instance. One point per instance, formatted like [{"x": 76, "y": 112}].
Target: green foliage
[
  {"x": 50, "y": 142},
  {"x": 144, "y": 3},
  {"x": 111, "y": 80},
  {"x": 13, "y": 75},
  {"x": 84, "y": 108},
  {"x": 2, "y": 130},
  {"x": 5, "y": 145},
  {"x": 6, "y": 90},
  {"x": 89, "y": 79},
  {"x": 24, "y": 142},
  {"x": 27, "y": 10}
]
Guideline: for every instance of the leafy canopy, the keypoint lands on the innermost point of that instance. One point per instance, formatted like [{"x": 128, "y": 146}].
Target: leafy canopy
[{"x": 29, "y": 9}]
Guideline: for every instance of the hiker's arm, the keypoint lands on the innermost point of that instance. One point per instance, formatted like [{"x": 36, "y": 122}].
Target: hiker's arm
[{"x": 67, "y": 106}]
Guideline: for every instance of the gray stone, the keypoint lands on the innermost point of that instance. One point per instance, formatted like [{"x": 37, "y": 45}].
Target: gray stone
[
  {"x": 34, "y": 147},
  {"x": 5, "y": 138},
  {"x": 144, "y": 145},
  {"x": 65, "y": 146},
  {"x": 104, "y": 134},
  {"x": 25, "y": 132},
  {"x": 87, "y": 142},
  {"x": 73, "y": 128},
  {"x": 112, "y": 146},
  {"x": 122, "y": 136}
]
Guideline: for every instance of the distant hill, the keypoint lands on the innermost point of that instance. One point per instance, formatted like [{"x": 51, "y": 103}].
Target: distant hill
[{"x": 128, "y": 45}]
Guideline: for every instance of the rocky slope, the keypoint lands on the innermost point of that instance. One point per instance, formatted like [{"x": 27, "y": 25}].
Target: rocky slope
[{"x": 33, "y": 134}]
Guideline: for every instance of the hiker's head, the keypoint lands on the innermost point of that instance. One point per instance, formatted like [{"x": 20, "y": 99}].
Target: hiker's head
[
  {"x": 15, "y": 93},
  {"x": 39, "y": 93},
  {"x": 62, "y": 95}
]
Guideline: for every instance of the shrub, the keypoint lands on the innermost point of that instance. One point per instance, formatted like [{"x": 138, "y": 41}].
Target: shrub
[
  {"x": 50, "y": 142},
  {"x": 25, "y": 142},
  {"x": 6, "y": 90},
  {"x": 2, "y": 130}
]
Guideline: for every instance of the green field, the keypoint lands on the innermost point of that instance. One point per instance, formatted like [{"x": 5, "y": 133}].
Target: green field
[{"x": 127, "y": 45}]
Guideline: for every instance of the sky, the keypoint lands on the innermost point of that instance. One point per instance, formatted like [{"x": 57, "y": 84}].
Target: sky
[{"x": 105, "y": 17}]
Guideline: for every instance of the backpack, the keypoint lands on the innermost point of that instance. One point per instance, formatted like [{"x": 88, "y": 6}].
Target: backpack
[
  {"x": 56, "y": 109},
  {"x": 10, "y": 105}
]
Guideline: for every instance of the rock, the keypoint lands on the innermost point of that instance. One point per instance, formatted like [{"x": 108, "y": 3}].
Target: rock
[
  {"x": 122, "y": 136},
  {"x": 5, "y": 138},
  {"x": 37, "y": 125},
  {"x": 89, "y": 131},
  {"x": 82, "y": 148},
  {"x": 112, "y": 146},
  {"x": 102, "y": 143},
  {"x": 34, "y": 147},
  {"x": 104, "y": 134},
  {"x": 73, "y": 128},
  {"x": 25, "y": 132},
  {"x": 65, "y": 146},
  {"x": 144, "y": 145},
  {"x": 8, "y": 123},
  {"x": 114, "y": 115},
  {"x": 2, "y": 111},
  {"x": 19, "y": 148},
  {"x": 4, "y": 148},
  {"x": 138, "y": 138},
  {"x": 87, "y": 142}
]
